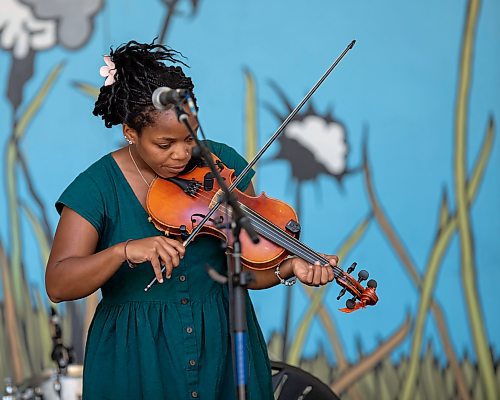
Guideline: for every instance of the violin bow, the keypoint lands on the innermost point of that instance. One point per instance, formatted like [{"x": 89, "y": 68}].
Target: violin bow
[{"x": 271, "y": 140}]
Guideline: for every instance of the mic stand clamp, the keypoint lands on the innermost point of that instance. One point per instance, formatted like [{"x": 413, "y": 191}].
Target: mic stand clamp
[
  {"x": 238, "y": 280},
  {"x": 243, "y": 279}
]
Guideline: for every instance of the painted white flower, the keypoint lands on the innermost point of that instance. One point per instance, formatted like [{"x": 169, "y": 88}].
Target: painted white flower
[
  {"x": 326, "y": 140},
  {"x": 21, "y": 31},
  {"x": 108, "y": 71}
]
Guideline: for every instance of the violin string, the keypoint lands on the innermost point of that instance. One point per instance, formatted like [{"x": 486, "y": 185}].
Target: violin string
[
  {"x": 286, "y": 238},
  {"x": 277, "y": 235},
  {"x": 296, "y": 246}
]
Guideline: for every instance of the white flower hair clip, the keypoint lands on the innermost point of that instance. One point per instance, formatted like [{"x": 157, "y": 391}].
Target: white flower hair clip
[{"x": 108, "y": 71}]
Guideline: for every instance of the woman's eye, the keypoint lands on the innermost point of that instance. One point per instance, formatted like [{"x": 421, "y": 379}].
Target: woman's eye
[{"x": 163, "y": 146}]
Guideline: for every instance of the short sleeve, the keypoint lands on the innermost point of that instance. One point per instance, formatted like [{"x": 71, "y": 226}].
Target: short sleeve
[
  {"x": 84, "y": 197},
  {"x": 233, "y": 160}
]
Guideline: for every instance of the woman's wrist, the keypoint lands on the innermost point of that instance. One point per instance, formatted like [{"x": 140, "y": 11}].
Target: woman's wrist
[
  {"x": 286, "y": 268},
  {"x": 120, "y": 252},
  {"x": 284, "y": 272},
  {"x": 126, "y": 255}
]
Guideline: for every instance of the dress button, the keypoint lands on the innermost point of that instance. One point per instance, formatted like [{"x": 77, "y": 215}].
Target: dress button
[
  {"x": 189, "y": 329},
  {"x": 192, "y": 363},
  {"x": 184, "y": 300},
  {"x": 194, "y": 394},
  {"x": 182, "y": 278}
]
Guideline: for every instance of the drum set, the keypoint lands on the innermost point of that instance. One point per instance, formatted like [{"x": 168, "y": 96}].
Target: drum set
[{"x": 61, "y": 383}]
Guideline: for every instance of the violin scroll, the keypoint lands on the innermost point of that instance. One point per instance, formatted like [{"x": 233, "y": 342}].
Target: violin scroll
[{"x": 362, "y": 296}]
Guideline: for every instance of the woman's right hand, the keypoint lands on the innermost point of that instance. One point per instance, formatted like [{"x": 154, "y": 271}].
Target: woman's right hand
[{"x": 159, "y": 250}]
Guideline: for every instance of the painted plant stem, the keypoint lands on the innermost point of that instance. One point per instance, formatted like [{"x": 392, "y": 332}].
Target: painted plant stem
[
  {"x": 317, "y": 299},
  {"x": 481, "y": 343},
  {"x": 443, "y": 238},
  {"x": 37, "y": 228},
  {"x": 19, "y": 129},
  {"x": 11, "y": 322},
  {"x": 400, "y": 250},
  {"x": 353, "y": 374}
]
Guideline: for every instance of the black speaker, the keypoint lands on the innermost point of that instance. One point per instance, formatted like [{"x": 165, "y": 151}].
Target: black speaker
[{"x": 292, "y": 383}]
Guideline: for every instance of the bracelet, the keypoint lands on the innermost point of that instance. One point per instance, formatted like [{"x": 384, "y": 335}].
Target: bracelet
[
  {"x": 130, "y": 263},
  {"x": 287, "y": 282}
]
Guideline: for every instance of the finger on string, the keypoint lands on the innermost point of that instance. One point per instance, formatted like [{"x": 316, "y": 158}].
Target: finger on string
[
  {"x": 331, "y": 266},
  {"x": 310, "y": 274},
  {"x": 331, "y": 274},
  {"x": 317, "y": 273},
  {"x": 324, "y": 275},
  {"x": 334, "y": 260}
]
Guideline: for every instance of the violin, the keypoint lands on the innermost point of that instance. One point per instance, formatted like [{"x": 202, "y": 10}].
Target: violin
[{"x": 177, "y": 205}]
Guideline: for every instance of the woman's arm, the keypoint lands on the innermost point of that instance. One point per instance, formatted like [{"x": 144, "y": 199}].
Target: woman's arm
[{"x": 74, "y": 270}]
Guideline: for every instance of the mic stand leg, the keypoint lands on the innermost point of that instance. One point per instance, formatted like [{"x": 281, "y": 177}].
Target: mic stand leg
[{"x": 238, "y": 287}]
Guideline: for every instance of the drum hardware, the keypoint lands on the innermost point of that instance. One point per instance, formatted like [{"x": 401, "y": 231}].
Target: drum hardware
[
  {"x": 61, "y": 383},
  {"x": 63, "y": 356},
  {"x": 10, "y": 391}
]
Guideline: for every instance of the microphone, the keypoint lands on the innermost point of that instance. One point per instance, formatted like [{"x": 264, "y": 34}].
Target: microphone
[{"x": 164, "y": 96}]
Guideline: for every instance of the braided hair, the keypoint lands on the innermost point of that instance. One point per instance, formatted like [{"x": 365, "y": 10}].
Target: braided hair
[{"x": 139, "y": 71}]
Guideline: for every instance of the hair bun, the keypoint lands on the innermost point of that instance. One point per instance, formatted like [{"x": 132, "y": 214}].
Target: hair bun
[{"x": 140, "y": 69}]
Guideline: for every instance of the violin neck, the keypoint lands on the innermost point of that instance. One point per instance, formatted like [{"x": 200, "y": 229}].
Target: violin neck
[{"x": 271, "y": 232}]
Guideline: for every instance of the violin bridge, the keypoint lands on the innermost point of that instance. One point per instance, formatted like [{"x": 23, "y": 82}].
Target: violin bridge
[{"x": 215, "y": 199}]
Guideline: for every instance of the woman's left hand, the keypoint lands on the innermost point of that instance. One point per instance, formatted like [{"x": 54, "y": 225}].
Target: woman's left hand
[{"x": 314, "y": 275}]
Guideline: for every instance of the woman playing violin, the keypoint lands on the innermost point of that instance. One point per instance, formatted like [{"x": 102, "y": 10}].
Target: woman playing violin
[{"x": 173, "y": 341}]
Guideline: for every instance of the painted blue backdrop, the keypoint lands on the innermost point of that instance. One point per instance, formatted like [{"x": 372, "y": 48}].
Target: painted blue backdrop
[{"x": 373, "y": 164}]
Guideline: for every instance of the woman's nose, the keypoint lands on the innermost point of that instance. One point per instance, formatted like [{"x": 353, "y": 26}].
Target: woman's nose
[{"x": 181, "y": 152}]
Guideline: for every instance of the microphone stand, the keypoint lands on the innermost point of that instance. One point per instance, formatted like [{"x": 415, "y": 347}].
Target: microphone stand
[{"x": 237, "y": 279}]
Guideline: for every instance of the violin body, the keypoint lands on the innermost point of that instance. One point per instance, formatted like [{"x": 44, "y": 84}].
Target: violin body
[{"x": 175, "y": 212}]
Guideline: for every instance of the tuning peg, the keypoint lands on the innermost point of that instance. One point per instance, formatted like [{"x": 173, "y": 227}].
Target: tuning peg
[
  {"x": 350, "y": 304},
  {"x": 342, "y": 292},
  {"x": 363, "y": 275},
  {"x": 352, "y": 267},
  {"x": 372, "y": 283}
]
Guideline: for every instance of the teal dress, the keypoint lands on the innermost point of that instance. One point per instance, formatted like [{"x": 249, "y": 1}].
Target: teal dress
[{"x": 172, "y": 342}]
